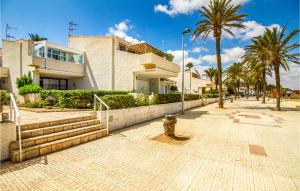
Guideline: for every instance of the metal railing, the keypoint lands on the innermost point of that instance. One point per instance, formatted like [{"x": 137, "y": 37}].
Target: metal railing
[
  {"x": 101, "y": 102},
  {"x": 17, "y": 120}
]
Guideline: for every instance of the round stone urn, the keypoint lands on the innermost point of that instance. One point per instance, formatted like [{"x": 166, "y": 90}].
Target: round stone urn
[{"x": 169, "y": 125}]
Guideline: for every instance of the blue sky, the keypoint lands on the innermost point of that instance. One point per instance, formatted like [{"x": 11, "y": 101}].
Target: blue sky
[{"x": 158, "y": 22}]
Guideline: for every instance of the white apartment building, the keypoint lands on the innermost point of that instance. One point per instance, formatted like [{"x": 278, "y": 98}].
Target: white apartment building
[
  {"x": 193, "y": 83},
  {"x": 89, "y": 62}
]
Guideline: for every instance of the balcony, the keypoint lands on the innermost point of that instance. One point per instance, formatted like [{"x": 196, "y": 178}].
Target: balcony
[
  {"x": 56, "y": 60},
  {"x": 57, "y": 68},
  {"x": 156, "y": 65},
  {"x": 3, "y": 72}
]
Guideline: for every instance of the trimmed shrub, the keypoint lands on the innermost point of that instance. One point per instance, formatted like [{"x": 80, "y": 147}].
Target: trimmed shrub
[
  {"x": 119, "y": 101},
  {"x": 28, "y": 89},
  {"x": 24, "y": 80},
  {"x": 188, "y": 97},
  {"x": 79, "y": 99},
  {"x": 210, "y": 95},
  {"x": 4, "y": 97},
  {"x": 165, "y": 98},
  {"x": 36, "y": 104}
]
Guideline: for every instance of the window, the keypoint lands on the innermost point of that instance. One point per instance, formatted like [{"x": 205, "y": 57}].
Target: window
[
  {"x": 53, "y": 83},
  {"x": 122, "y": 47}
]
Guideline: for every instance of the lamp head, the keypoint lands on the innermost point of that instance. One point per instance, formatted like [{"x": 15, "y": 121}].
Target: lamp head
[{"x": 186, "y": 31}]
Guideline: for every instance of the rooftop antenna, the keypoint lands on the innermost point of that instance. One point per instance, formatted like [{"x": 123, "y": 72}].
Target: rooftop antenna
[
  {"x": 7, "y": 34},
  {"x": 72, "y": 27}
]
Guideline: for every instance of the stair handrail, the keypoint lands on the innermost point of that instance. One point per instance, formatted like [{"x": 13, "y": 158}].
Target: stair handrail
[
  {"x": 96, "y": 98},
  {"x": 17, "y": 121}
]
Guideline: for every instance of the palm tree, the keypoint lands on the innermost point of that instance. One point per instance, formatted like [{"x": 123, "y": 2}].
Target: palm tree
[
  {"x": 256, "y": 55},
  {"x": 210, "y": 73},
  {"x": 190, "y": 65},
  {"x": 234, "y": 75},
  {"x": 279, "y": 50},
  {"x": 36, "y": 37},
  {"x": 219, "y": 16}
]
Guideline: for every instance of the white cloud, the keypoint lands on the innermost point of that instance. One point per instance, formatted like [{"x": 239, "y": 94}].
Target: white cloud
[
  {"x": 121, "y": 30},
  {"x": 252, "y": 29},
  {"x": 175, "y": 7},
  {"x": 230, "y": 55},
  {"x": 289, "y": 79},
  {"x": 199, "y": 49}
]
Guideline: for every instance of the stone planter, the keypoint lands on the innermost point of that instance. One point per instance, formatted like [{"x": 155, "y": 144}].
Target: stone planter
[
  {"x": 169, "y": 125},
  {"x": 28, "y": 98}
]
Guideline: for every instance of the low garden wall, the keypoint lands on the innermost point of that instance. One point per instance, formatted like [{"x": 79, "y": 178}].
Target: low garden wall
[
  {"x": 121, "y": 118},
  {"x": 7, "y": 135}
]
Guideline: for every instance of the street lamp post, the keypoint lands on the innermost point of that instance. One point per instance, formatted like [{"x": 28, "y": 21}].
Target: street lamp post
[{"x": 185, "y": 32}]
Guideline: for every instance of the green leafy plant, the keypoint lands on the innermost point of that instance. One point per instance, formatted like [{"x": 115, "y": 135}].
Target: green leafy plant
[
  {"x": 143, "y": 100},
  {"x": 24, "y": 80},
  {"x": 30, "y": 88},
  {"x": 174, "y": 88},
  {"x": 4, "y": 97}
]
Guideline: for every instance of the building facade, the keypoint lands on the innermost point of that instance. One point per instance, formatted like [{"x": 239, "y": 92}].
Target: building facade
[
  {"x": 115, "y": 64},
  {"x": 193, "y": 83},
  {"x": 89, "y": 62}
]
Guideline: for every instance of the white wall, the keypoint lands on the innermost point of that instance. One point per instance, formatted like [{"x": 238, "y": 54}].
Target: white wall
[{"x": 121, "y": 118}]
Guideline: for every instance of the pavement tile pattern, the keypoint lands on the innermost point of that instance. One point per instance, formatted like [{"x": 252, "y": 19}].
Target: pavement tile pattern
[{"x": 216, "y": 157}]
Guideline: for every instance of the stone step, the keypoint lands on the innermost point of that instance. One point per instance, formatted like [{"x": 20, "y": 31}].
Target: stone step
[
  {"x": 57, "y": 128},
  {"x": 54, "y": 136},
  {"x": 46, "y": 148},
  {"x": 55, "y": 122}
]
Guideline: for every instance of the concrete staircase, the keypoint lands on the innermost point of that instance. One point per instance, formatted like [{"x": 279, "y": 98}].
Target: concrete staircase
[{"x": 39, "y": 139}]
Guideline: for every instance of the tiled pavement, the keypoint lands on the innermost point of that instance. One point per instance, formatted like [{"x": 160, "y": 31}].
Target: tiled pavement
[{"x": 216, "y": 157}]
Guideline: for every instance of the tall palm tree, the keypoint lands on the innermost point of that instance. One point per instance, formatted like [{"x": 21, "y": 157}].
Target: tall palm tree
[
  {"x": 277, "y": 45},
  {"x": 36, "y": 37},
  {"x": 220, "y": 16},
  {"x": 234, "y": 75},
  {"x": 190, "y": 65},
  {"x": 211, "y": 74},
  {"x": 256, "y": 55}
]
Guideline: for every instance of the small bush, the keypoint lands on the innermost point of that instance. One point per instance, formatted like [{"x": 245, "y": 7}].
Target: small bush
[
  {"x": 4, "y": 97},
  {"x": 119, "y": 101},
  {"x": 24, "y": 80},
  {"x": 31, "y": 88},
  {"x": 36, "y": 104}
]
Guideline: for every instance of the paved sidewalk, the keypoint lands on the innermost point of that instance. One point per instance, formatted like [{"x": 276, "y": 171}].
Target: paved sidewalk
[{"x": 246, "y": 146}]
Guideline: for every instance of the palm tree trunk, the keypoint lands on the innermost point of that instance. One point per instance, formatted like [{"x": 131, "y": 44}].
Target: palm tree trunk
[
  {"x": 190, "y": 82},
  {"x": 264, "y": 86},
  {"x": 218, "y": 39},
  {"x": 234, "y": 92},
  {"x": 277, "y": 78}
]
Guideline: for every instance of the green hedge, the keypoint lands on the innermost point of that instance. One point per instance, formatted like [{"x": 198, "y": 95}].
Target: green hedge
[
  {"x": 119, "y": 101},
  {"x": 165, "y": 98},
  {"x": 188, "y": 97},
  {"x": 31, "y": 88},
  {"x": 4, "y": 97},
  {"x": 210, "y": 95},
  {"x": 80, "y": 99}
]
